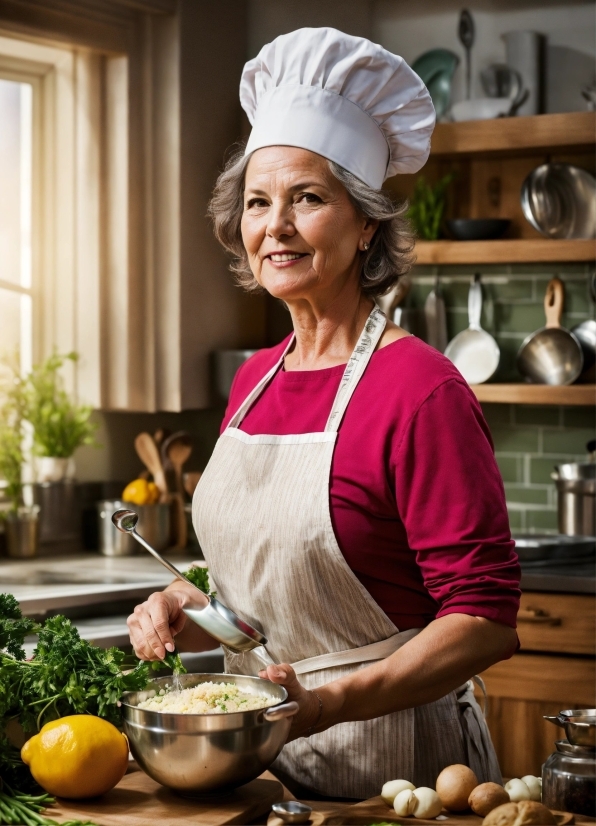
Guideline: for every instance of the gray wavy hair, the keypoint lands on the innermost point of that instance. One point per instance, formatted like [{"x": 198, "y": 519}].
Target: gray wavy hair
[{"x": 389, "y": 256}]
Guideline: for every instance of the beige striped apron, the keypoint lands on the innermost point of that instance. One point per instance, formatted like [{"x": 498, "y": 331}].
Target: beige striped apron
[{"x": 261, "y": 513}]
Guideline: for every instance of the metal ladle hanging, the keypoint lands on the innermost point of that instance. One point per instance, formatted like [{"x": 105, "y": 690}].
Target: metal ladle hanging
[
  {"x": 214, "y": 618},
  {"x": 466, "y": 33}
]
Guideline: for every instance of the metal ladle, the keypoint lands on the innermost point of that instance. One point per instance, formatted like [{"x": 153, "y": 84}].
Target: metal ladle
[{"x": 214, "y": 618}]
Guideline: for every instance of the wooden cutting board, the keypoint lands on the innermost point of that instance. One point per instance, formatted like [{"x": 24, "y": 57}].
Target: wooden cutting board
[
  {"x": 376, "y": 810},
  {"x": 139, "y": 801}
]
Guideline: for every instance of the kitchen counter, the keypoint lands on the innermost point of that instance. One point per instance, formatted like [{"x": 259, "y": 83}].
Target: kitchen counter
[
  {"x": 42, "y": 585},
  {"x": 98, "y": 592},
  {"x": 579, "y": 578}
]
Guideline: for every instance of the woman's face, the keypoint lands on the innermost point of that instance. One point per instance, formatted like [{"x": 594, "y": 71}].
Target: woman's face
[{"x": 302, "y": 234}]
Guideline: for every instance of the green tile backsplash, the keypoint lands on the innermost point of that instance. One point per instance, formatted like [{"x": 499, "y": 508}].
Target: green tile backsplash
[{"x": 529, "y": 440}]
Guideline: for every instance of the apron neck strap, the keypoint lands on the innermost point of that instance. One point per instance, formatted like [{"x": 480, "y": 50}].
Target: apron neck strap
[
  {"x": 365, "y": 347},
  {"x": 256, "y": 392}
]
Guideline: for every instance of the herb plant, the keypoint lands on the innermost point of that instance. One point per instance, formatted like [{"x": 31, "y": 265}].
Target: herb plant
[
  {"x": 427, "y": 207},
  {"x": 11, "y": 433},
  {"x": 60, "y": 426}
]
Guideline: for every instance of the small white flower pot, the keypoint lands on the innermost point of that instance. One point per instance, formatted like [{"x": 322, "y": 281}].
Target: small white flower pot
[{"x": 53, "y": 469}]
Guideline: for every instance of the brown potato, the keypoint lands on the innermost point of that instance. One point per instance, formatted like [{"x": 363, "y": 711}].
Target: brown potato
[
  {"x": 524, "y": 813},
  {"x": 454, "y": 786},
  {"x": 486, "y": 797}
]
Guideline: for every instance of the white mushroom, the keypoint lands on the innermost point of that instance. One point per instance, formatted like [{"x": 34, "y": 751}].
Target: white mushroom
[
  {"x": 404, "y": 803},
  {"x": 534, "y": 785},
  {"x": 517, "y": 790},
  {"x": 392, "y": 788},
  {"x": 428, "y": 803}
]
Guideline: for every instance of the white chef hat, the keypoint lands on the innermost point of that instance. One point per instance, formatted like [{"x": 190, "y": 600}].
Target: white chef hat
[{"x": 342, "y": 97}]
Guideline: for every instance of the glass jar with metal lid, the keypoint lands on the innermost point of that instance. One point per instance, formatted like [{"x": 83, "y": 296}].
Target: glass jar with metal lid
[{"x": 569, "y": 779}]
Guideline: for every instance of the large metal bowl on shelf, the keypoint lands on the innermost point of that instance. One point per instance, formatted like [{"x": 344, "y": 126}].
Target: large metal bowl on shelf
[{"x": 197, "y": 754}]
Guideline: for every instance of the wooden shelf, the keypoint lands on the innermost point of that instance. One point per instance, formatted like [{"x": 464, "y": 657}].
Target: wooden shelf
[
  {"x": 575, "y": 394},
  {"x": 568, "y": 130},
  {"x": 505, "y": 251}
]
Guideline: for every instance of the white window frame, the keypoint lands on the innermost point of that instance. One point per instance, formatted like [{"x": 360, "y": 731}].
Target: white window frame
[
  {"x": 29, "y": 353},
  {"x": 50, "y": 71},
  {"x": 80, "y": 220}
]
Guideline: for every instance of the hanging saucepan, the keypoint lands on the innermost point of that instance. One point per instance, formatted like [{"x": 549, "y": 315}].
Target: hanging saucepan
[
  {"x": 585, "y": 332},
  {"x": 474, "y": 352},
  {"x": 551, "y": 355},
  {"x": 579, "y": 725}
]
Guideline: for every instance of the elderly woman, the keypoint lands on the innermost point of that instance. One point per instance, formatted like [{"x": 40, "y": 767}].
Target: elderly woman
[{"x": 352, "y": 509}]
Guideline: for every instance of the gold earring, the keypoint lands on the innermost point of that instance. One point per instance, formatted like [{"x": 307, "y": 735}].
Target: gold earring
[{"x": 366, "y": 245}]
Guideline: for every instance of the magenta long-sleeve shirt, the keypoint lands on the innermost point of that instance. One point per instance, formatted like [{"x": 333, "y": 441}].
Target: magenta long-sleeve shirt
[{"x": 416, "y": 497}]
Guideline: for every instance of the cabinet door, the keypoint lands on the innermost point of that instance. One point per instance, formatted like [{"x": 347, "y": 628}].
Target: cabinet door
[
  {"x": 557, "y": 622},
  {"x": 523, "y": 689}
]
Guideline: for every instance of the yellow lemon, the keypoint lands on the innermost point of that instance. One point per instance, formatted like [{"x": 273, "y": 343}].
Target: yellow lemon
[
  {"x": 76, "y": 757},
  {"x": 138, "y": 492},
  {"x": 152, "y": 492}
]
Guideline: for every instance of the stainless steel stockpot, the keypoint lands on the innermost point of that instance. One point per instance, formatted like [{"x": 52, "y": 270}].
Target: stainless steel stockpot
[
  {"x": 198, "y": 754},
  {"x": 576, "y": 498}
]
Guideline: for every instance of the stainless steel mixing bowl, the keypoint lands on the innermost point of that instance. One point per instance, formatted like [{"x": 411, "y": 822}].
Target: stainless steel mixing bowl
[{"x": 198, "y": 754}]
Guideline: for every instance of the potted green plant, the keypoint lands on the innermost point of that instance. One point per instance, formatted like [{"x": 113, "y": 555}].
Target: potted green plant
[
  {"x": 60, "y": 425},
  {"x": 427, "y": 207},
  {"x": 21, "y": 521}
]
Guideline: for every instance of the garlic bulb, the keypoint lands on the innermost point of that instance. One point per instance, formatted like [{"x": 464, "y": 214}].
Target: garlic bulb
[
  {"x": 392, "y": 788},
  {"x": 534, "y": 785},
  {"x": 517, "y": 790},
  {"x": 404, "y": 803}
]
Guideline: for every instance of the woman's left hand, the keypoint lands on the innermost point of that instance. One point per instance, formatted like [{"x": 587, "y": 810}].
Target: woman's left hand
[{"x": 309, "y": 709}]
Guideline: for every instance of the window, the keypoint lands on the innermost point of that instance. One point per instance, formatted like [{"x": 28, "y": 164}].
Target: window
[{"x": 16, "y": 165}]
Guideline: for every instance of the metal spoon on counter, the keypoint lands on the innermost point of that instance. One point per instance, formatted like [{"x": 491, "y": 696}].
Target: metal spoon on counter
[{"x": 214, "y": 618}]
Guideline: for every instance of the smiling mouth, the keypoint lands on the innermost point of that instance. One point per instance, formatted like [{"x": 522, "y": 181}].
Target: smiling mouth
[{"x": 280, "y": 257}]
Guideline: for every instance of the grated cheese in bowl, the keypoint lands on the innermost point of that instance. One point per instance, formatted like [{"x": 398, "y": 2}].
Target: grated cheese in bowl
[{"x": 206, "y": 698}]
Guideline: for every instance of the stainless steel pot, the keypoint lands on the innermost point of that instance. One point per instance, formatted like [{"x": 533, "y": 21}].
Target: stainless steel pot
[
  {"x": 154, "y": 521},
  {"x": 203, "y": 753},
  {"x": 579, "y": 725},
  {"x": 576, "y": 498}
]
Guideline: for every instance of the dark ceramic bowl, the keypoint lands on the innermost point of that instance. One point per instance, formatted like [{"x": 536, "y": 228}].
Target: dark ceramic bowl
[{"x": 477, "y": 229}]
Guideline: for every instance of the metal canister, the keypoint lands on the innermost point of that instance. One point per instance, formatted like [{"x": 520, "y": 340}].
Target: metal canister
[
  {"x": 22, "y": 532},
  {"x": 576, "y": 498},
  {"x": 569, "y": 779},
  {"x": 226, "y": 364},
  {"x": 153, "y": 525}
]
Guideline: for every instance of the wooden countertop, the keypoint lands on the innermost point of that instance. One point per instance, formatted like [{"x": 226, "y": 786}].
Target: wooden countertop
[{"x": 139, "y": 801}]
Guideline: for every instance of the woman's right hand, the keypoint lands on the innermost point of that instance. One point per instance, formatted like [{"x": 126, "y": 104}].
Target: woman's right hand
[{"x": 155, "y": 622}]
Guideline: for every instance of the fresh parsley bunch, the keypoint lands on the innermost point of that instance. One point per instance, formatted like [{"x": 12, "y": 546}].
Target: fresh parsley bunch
[
  {"x": 66, "y": 675},
  {"x": 200, "y": 577}
]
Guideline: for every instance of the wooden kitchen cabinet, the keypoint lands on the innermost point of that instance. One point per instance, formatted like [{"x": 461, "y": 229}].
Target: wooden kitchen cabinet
[
  {"x": 561, "y": 623},
  {"x": 554, "y": 669}
]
